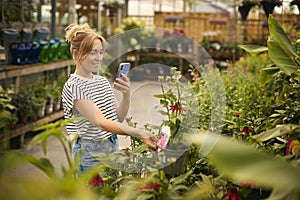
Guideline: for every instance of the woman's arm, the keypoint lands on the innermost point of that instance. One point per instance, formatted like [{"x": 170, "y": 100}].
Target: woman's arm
[
  {"x": 93, "y": 114},
  {"x": 122, "y": 107}
]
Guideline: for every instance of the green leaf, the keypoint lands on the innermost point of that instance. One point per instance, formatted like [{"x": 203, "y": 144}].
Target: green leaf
[
  {"x": 284, "y": 193},
  {"x": 42, "y": 163},
  {"x": 140, "y": 149},
  {"x": 253, "y": 50},
  {"x": 277, "y": 32},
  {"x": 160, "y": 96},
  {"x": 281, "y": 58},
  {"x": 243, "y": 162},
  {"x": 44, "y": 136},
  {"x": 275, "y": 115},
  {"x": 266, "y": 74},
  {"x": 279, "y": 130}
]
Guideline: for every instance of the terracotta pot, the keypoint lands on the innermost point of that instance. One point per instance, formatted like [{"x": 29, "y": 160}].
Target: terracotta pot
[{"x": 34, "y": 118}]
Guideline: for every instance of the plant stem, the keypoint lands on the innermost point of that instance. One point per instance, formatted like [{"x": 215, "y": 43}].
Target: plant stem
[
  {"x": 163, "y": 91},
  {"x": 66, "y": 151}
]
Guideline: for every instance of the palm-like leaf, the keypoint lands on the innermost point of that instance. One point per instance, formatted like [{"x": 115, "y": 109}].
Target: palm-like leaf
[{"x": 243, "y": 162}]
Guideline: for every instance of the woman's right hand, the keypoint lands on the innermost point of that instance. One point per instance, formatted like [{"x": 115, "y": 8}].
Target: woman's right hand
[{"x": 151, "y": 141}]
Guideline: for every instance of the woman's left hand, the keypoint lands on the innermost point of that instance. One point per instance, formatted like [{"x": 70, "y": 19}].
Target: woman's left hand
[{"x": 123, "y": 85}]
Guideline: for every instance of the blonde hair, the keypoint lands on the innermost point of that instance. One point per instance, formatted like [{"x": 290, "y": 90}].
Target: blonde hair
[{"x": 81, "y": 38}]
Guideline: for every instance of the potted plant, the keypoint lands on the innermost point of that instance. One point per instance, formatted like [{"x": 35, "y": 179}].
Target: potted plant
[
  {"x": 39, "y": 98},
  {"x": 50, "y": 97},
  {"x": 179, "y": 106},
  {"x": 57, "y": 88},
  {"x": 22, "y": 100},
  {"x": 7, "y": 109},
  {"x": 7, "y": 113}
]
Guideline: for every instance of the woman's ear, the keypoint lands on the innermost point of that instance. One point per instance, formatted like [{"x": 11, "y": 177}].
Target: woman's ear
[{"x": 75, "y": 54}]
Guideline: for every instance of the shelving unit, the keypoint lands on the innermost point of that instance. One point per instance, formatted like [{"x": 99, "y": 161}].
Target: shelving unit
[
  {"x": 23, "y": 129},
  {"x": 136, "y": 56},
  {"x": 16, "y": 72}
]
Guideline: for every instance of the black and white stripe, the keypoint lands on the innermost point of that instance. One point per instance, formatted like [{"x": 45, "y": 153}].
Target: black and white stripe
[{"x": 99, "y": 91}]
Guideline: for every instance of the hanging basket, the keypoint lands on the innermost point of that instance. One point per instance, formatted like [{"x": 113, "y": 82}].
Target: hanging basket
[
  {"x": 296, "y": 3},
  {"x": 268, "y": 6},
  {"x": 244, "y": 9}
]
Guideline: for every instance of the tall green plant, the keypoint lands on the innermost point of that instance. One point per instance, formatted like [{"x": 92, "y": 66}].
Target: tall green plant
[{"x": 283, "y": 75}]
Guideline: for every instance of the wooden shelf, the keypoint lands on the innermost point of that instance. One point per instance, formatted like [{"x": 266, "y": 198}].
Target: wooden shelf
[
  {"x": 11, "y": 71},
  {"x": 192, "y": 57},
  {"x": 15, "y": 72},
  {"x": 23, "y": 129}
]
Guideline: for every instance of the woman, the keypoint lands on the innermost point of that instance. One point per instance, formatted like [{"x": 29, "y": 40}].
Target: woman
[{"x": 91, "y": 97}]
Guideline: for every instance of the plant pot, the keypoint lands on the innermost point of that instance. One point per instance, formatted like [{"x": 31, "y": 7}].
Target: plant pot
[
  {"x": 174, "y": 160},
  {"x": 34, "y": 118},
  {"x": 24, "y": 120},
  {"x": 57, "y": 106},
  {"x": 49, "y": 109},
  {"x": 41, "y": 113}
]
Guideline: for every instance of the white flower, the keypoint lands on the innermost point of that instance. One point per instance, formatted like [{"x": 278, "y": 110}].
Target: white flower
[{"x": 133, "y": 41}]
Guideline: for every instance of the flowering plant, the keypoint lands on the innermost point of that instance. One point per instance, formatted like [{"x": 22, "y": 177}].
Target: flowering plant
[{"x": 179, "y": 106}]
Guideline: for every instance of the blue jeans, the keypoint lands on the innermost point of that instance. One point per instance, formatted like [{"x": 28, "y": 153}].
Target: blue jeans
[{"x": 87, "y": 148}]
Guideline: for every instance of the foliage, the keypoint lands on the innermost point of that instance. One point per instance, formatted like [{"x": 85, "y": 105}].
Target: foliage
[
  {"x": 7, "y": 116},
  {"x": 6, "y": 108},
  {"x": 257, "y": 150},
  {"x": 13, "y": 7},
  {"x": 129, "y": 23},
  {"x": 138, "y": 36},
  {"x": 23, "y": 102},
  {"x": 180, "y": 102}
]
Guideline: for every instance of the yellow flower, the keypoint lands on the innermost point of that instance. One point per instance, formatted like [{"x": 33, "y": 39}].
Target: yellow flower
[{"x": 295, "y": 146}]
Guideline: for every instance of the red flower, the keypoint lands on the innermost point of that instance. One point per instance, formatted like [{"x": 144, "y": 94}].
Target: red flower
[
  {"x": 232, "y": 194},
  {"x": 96, "y": 181},
  {"x": 246, "y": 184},
  {"x": 147, "y": 188},
  {"x": 246, "y": 130},
  {"x": 237, "y": 114},
  {"x": 176, "y": 108}
]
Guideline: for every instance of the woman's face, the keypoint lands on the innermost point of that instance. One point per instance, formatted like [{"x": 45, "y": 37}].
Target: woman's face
[{"x": 93, "y": 60}]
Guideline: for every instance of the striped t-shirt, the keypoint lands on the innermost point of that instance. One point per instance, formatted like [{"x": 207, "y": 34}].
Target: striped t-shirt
[{"x": 99, "y": 91}]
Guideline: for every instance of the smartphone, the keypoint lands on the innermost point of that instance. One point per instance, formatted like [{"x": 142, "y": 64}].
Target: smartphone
[{"x": 123, "y": 69}]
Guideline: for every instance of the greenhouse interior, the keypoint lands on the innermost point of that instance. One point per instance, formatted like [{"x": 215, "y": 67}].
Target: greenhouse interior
[{"x": 150, "y": 99}]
